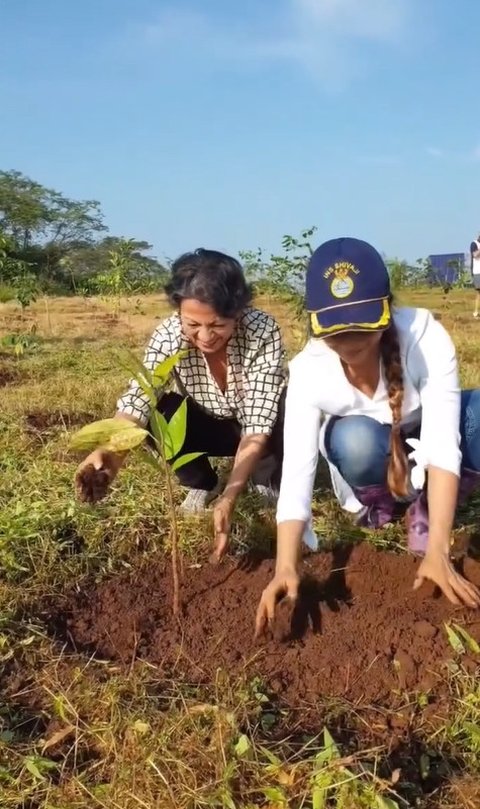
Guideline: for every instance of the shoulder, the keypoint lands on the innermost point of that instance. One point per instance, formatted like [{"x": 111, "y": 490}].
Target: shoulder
[
  {"x": 313, "y": 379},
  {"x": 258, "y": 325},
  {"x": 255, "y": 319},
  {"x": 418, "y": 327},
  {"x": 314, "y": 356},
  {"x": 169, "y": 331},
  {"x": 411, "y": 321}
]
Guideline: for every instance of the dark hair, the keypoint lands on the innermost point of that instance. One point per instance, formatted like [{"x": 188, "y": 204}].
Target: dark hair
[
  {"x": 212, "y": 278},
  {"x": 398, "y": 476}
]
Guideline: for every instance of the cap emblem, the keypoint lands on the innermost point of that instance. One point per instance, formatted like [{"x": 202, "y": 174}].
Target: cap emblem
[{"x": 342, "y": 284}]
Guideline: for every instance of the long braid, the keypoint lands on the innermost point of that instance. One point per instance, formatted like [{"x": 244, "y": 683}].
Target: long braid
[{"x": 398, "y": 476}]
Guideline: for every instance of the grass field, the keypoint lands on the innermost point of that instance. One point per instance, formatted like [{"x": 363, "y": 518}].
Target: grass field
[{"x": 81, "y": 730}]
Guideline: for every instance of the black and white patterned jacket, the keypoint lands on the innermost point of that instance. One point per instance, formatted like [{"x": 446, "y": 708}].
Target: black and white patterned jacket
[{"x": 255, "y": 379}]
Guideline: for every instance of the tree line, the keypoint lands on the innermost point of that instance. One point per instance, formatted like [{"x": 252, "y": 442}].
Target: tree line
[
  {"x": 56, "y": 245},
  {"x": 50, "y": 244}
]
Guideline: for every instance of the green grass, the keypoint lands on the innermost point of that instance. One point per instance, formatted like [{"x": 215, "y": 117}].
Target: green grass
[{"x": 76, "y": 732}]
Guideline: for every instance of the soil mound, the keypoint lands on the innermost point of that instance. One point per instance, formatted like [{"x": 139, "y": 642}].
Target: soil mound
[{"x": 358, "y": 631}]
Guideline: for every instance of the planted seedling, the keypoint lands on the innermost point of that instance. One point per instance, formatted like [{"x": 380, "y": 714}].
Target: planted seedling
[{"x": 117, "y": 435}]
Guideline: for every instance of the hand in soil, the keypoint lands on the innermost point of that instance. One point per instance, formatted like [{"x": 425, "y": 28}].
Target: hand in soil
[
  {"x": 284, "y": 584},
  {"x": 438, "y": 568},
  {"x": 222, "y": 523},
  {"x": 95, "y": 474}
]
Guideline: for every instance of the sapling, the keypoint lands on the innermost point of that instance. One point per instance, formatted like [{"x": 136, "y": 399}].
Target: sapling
[{"x": 117, "y": 435}]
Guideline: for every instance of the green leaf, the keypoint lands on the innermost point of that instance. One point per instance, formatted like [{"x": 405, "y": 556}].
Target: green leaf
[
  {"x": 454, "y": 640},
  {"x": 226, "y": 800},
  {"x": 274, "y": 794},
  {"x": 319, "y": 797},
  {"x": 115, "y": 434},
  {"x": 163, "y": 370},
  {"x": 161, "y": 435},
  {"x": 471, "y": 643},
  {"x": 272, "y": 758},
  {"x": 385, "y": 803},
  {"x": 141, "y": 375},
  {"x": 177, "y": 427},
  {"x": 35, "y": 765},
  {"x": 473, "y": 730},
  {"x": 323, "y": 757},
  {"x": 242, "y": 746},
  {"x": 330, "y": 746},
  {"x": 184, "y": 459},
  {"x": 59, "y": 708},
  {"x": 127, "y": 439},
  {"x": 422, "y": 700}
]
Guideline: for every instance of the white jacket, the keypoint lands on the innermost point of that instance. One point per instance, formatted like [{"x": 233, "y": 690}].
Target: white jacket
[{"x": 319, "y": 389}]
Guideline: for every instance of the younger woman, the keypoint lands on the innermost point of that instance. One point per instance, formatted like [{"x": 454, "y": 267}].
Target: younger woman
[
  {"x": 232, "y": 375},
  {"x": 373, "y": 382}
]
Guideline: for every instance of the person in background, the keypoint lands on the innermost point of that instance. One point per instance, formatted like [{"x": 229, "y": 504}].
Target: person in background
[
  {"x": 475, "y": 268},
  {"x": 233, "y": 376},
  {"x": 374, "y": 381}
]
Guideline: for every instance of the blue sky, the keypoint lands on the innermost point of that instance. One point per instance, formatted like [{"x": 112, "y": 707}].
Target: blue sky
[{"x": 227, "y": 125}]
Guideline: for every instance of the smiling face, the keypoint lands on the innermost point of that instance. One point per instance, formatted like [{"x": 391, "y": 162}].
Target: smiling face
[
  {"x": 355, "y": 348},
  {"x": 203, "y": 327}
]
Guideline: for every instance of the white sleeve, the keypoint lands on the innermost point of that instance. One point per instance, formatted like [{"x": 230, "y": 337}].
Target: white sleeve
[
  {"x": 301, "y": 448},
  {"x": 435, "y": 360}
]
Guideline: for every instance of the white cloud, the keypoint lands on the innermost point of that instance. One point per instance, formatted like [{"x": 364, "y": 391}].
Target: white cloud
[
  {"x": 370, "y": 19},
  {"x": 322, "y": 37},
  {"x": 326, "y": 34}
]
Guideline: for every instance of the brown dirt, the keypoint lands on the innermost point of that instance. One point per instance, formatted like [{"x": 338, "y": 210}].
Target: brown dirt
[
  {"x": 359, "y": 632},
  {"x": 92, "y": 484},
  {"x": 40, "y": 424}
]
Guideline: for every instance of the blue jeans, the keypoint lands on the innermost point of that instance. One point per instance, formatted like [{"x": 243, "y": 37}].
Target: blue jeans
[{"x": 359, "y": 446}]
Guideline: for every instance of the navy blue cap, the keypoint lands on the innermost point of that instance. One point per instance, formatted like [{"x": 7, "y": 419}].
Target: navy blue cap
[{"x": 347, "y": 289}]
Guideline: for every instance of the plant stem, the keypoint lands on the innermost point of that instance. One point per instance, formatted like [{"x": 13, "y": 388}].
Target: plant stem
[{"x": 174, "y": 536}]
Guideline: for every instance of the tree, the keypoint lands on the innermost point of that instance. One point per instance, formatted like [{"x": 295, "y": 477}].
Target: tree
[
  {"x": 60, "y": 241},
  {"x": 282, "y": 275},
  {"x": 30, "y": 214},
  {"x": 112, "y": 263},
  {"x": 16, "y": 274}
]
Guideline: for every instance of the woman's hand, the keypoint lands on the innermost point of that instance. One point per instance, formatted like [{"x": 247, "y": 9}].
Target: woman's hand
[
  {"x": 284, "y": 584},
  {"x": 222, "y": 523},
  {"x": 437, "y": 567},
  {"x": 95, "y": 475}
]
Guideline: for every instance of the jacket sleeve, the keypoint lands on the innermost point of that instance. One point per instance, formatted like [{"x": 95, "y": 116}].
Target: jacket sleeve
[
  {"x": 301, "y": 449},
  {"x": 266, "y": 380},
  {"x": 134, "y": 401},
  {"x": 435, "y": 358}
]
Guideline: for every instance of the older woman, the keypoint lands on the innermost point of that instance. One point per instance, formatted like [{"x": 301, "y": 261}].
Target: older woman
[{"x": 233, "y": 377}]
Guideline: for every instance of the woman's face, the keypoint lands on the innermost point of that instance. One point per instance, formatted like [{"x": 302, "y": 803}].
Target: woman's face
[
  {"x": 354, "y": 348},
  {"x": 203, "y": 327}
]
